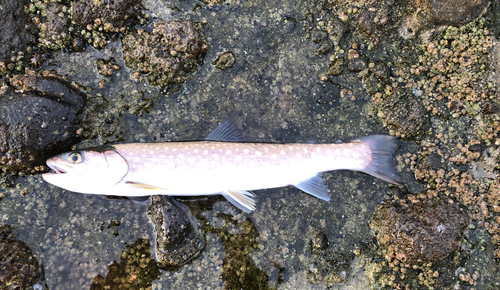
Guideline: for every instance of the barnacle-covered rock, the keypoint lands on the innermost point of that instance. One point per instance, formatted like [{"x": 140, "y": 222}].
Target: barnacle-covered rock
[
  {"x": 13, "y": 34},
  {"x": 113, "y": 14},
  {"x": 421, "y": 232},
  {"x": 18, "y": 267},
  {"x": 167, "y": 53}
]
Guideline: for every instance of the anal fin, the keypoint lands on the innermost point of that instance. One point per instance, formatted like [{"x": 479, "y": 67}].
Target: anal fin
[
  {"x": 315, "y": 187},
  {"x": 241, "y": 199}
]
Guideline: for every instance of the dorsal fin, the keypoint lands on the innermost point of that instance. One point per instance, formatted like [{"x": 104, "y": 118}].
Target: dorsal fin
[{"x": 226, "y": 131}]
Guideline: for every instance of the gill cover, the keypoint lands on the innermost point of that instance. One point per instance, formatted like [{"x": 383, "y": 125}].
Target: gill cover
[{"x": 93, "y": 170}]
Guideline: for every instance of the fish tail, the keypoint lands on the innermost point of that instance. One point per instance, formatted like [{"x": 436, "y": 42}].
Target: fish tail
[{"x": 382, "y": 148}]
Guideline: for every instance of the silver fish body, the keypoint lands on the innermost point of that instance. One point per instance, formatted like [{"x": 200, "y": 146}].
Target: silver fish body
[{"x": 213, "y": 167}]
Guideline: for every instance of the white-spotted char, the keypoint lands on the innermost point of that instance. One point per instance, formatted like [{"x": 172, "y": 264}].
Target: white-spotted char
[{"x": 224, "y": 167}]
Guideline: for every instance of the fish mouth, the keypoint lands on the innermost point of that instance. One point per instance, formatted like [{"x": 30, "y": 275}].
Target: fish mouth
[
  {"x": 58, "y": 170},
  {"x": 53, "y": 164}
]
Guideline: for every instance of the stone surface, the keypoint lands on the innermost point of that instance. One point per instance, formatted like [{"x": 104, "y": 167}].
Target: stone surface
[
  {"x": 177, "y": 235},
  {"x": 456, "y": 12},
  {"x": 38, "y": 121},
  {"x": 419, "y": 232}
]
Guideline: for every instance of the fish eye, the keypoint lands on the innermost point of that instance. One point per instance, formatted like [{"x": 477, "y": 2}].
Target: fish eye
[{"x": 76, "y": 157}]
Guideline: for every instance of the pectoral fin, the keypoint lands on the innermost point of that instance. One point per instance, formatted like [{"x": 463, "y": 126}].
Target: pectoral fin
[
  {"x": 140, "y": 185},
  {"x": 315, "y": 187},
  {"x": 241, "y": 199}
]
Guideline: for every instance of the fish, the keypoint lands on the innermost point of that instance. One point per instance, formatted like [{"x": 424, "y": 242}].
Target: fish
[{"x": 223, "y": 163}]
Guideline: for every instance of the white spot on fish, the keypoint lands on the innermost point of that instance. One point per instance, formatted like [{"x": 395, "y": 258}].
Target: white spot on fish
[
  {"x": 318, "y": 149},
  {"x": 151, "y": 152},
  {"x": 274, "y": 156},
  {"x": 175, "y": 149},
  {"x": 228, "y": 152},
  {"x": 266, "y": 149},
  {"x": 180, "y": 156},
  {"x": 258, "y": 154},
  {"x": 290, "y": 148},
  {"x": 329, "y": 152},
  {"x": 346, "y": 151},
  {"x": 205, "y": 152},
  {"x": 282, "y": 152},
  {"x": 195, "y": 150},
  {"x": 298, "y": 155},
  {"x": 137, "y": 159},
  {"x": 246, "y": 151},
  {"x": 355, "y": 154},
  {"x": 215, "y": 156},
  {"x": 238, "y": 158},
  {"x": 305, "y": 150},
  {"x": 162, "y": 156}
]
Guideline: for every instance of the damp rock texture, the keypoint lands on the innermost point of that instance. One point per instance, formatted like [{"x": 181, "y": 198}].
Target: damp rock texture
[
  {"x": 110, "y": 13},
  {"x": 18, "y": 267},
  {"x": 167, "y": 53},
  {"x": 37, "y": 121},
  {"x": 178, "y": 238},
  {"x": 456, "y": 12},
  {"x": 13, "y": 35},
  {"x": 327, "y": 265},
  {"x": 421, "y": 232}
]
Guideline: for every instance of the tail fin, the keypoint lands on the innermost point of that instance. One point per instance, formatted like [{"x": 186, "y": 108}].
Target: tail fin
[{"x": 382, "y": 148}]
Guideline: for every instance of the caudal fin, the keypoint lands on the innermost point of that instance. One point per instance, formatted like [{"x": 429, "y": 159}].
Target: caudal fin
[{"x": 382, "y": 148}]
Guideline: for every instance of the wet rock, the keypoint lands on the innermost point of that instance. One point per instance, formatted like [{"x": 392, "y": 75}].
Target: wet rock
[
  {"x": 13, "y": 34},
  {"x": 289, "y": 24},
  {"x": 356, "y": 65},
  {"x": 167, "y": 53},
  {"x": 19, "y": 269},
  {"x": 325, "y": 47},
  {"x": 55, "y": 27},
  {"x": 336, "y": 67},
  {"x": 419, "y": 232},
  {"x": 456, "y": 12},
  {"x": 113, "y": 13},
  {"x": 336, "y": 30},
  {"x": 178, "y": 238},
  {"x": 319, "y": 242},
  {"x": 225, "y": 60},
  {"x": 38, "y": 121},
  {"x": 318, "y": 36},
  {"x": 403, "y": 114},
  {"x": 136, "y": 270},
  {"x": 365, "y": 21}
]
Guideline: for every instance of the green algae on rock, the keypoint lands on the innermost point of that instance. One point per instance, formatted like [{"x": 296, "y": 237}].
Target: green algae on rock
[{"x": 166, "y": 54}]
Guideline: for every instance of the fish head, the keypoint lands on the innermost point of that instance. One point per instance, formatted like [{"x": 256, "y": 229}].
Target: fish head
[{"x": 87, "y": 171}]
